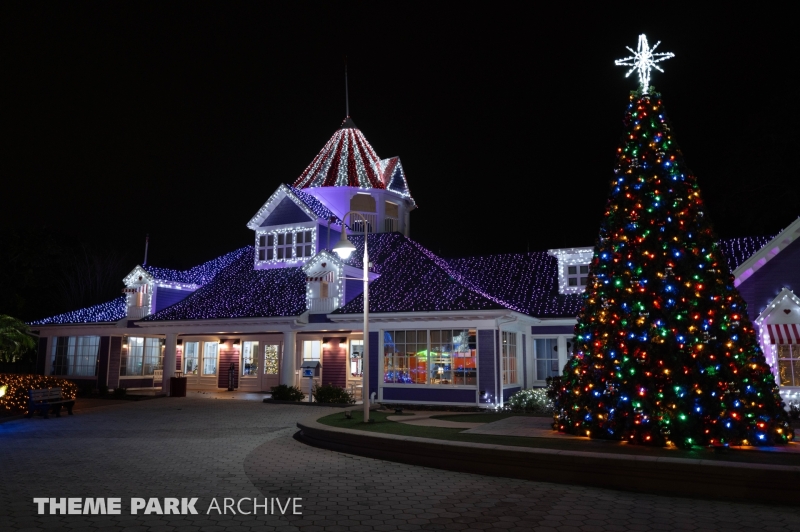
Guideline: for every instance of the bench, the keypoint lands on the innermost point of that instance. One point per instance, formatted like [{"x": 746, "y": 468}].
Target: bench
[
  {"x": 47, "y": 400},
  {"x": 158, "y": 377}
]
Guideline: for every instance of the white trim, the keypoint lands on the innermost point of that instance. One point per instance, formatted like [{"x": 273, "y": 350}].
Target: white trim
[
  {"x": 571, "y": 257},
  {"x": 273, "y": 201},
  {"x": 758, "y": 259}
]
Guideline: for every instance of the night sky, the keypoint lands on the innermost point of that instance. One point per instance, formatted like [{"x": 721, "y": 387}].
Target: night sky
[{"x": 125, "y": 118}]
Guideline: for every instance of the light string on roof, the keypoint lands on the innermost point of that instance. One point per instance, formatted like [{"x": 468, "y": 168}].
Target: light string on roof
[{"x": 665, "y": 350}]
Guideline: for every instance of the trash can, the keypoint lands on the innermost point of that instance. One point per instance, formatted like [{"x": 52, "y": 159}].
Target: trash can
[{"x": 177, "y": 386}]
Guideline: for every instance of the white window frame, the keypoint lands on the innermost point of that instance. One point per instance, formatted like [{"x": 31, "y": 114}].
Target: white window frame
[
  {"x": 196, "y": 357},
  {"x": 269, "y": 243},
  {"x": 794, "y": 354},
  {"x": 429, "y": 365},
  {"x": 572, "y": 257},
  {"x": 148, "y": 344},
  {"x": 255, "y": 355},
  {"x": 579, "y": 273},
  {"x": 509, "y": 340},
  {"x": 203, "y": 359},
  {"x": 308, "y": 351}
]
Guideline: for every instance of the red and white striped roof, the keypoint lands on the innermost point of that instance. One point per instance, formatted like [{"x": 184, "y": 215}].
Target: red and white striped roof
[
  {"x": 347, "y": 160},
  {"x": 784, "y": 333}
]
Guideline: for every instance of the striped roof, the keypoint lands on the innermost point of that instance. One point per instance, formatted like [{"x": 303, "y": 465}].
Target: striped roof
[{"x": 347, "y": 160}]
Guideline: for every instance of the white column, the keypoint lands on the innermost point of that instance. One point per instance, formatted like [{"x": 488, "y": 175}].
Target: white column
[
  {"x": 562, "y": 351},
  {"x": 289, "y": 358},
  {"x": 170, "y": 350}
]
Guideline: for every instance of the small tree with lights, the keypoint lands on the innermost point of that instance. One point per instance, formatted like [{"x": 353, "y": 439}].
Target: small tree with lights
[{"x": 665, "y": 350}]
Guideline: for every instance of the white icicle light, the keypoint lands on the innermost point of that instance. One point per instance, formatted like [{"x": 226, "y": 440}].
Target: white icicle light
[{"x": 644, "y": 59}]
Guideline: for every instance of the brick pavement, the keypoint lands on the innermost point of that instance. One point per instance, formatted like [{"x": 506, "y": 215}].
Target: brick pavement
[{"x": 199, "y": 448}]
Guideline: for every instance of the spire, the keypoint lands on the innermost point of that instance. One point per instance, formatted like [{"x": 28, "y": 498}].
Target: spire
[{"x": 346, "y": 93}]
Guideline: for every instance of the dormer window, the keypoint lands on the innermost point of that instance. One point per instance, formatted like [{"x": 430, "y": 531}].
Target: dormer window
[
  {"x": 577, "y": 275},
  {"x": 573, "y": 268},
  {"x": 285, "y": 246}
]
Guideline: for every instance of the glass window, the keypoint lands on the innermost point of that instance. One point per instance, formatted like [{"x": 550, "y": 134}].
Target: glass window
[
  {"x": 142, "y": 356},
  {"x": 546, "y": 354},
  {"x": 131, "y": 363},
  {"x": 789, "y": 365},
  {"x": 443, "y": 357},
  {"x": 191, "y": 357},
  {"x": 210, "y": 350},
  {"x": 509, "y": 349},
  {"x": 250, "y": 359},
  {"x": 578, "y": 275},
  {"x": 75, "y": 355},
  {"x": 270, "y": 360},
  {"x": 285, "y": 245},
  {"x": 153, "y": 355},
  {"x": 356, "y": 358},
  {"x": 465, "y": 370},
  {"x": 311, "y": 349}
]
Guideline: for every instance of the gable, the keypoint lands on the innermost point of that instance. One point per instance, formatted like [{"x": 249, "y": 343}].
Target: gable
[{"x": 286, "y": 212}]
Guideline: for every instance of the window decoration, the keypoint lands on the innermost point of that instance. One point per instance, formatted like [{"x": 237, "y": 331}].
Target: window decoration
[
  {"x": 75, "y": 355},
  {"x": 509, "y": 356},
  {"x": 285, "y": 245},
  {"x": 441, "y": 357},
  {"x": 210, "y": 351},
  {"x": 271, "y": 359},
  {"x": 191, "y": 358},
  {"x": 142, "y": 356},
  {"x": 250, "y": 359}
]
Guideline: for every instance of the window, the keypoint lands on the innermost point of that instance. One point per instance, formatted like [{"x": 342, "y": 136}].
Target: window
[
  {"x": 75, "y": 355},
  {"x": 191, "y": 357},
  {"x": 270, "y": 360},
  {"x": 356, "y": 358},
  {"x": 577, "y": 275},
  {"x": 210, "y": 350},
  {"x": 250, "y": 359},
  {"x": 509, "y": 350},
  {"x": 311, "y": 349},
  {"x": 442, "y": 357},
  {"x": 286, "y": 245},
  {"x": 789, "y": 365},
  {"x": 546, "y": 355},
  {"x": 142, "y": 356}
]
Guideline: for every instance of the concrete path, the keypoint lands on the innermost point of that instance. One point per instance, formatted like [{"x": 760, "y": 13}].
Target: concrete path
[
  {"x": 423, "y": 419},
  {"x": 193, "y": 447},
  {"x": 526, "y": 426}
]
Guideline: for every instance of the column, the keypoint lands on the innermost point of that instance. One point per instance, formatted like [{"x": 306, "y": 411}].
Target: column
[
  {"x": 562, "y": 351},
  {"x": 170, "y": 350},
  {"x": 289, "y": 358}
]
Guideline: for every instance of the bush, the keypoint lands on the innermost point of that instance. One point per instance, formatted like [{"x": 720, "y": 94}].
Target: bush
[
  {"x": 534, "y": 401},
  {"x": 119, "y": 393},
  {"x": 15, "y": 400},
  {"x": 287, "y": 393},
  {"x": 794, "y": 411},
  {"x": 330, "y": 393}
]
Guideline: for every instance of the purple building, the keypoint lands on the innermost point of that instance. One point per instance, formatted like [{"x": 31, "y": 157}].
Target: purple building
[{"x": 468, "y": 331}]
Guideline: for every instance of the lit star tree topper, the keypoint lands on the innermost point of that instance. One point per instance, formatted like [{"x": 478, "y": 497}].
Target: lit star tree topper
[{"x": 644, "y": 59}]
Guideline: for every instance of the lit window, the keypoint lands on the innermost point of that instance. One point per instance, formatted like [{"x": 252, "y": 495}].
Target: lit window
[
  {"x": 250, "y": 359},
  {"x": 789, "y": 365},
  {"x": 191, "y": 357},
  {"x": 210, "y": 350},
  {"x": 75, "y": 355},
  {"x": 356, "y": 358},
  {"x": 270, "y": 359},
  {"x": 311, "y": 349},
  {"x": 442, "y": 357},
  {"x": 142, "y": 357},
  {"x": 286, "y": 245}
]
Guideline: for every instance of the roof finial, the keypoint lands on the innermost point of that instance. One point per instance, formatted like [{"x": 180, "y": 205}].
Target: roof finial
[{"x": 346, "y": 94}]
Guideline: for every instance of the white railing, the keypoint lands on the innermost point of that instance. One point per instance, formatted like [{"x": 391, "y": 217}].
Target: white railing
[
  {"x": 391, "y": 225},
  {"x": 358, "y": 224},
  {"x": 322, "y": 305}
]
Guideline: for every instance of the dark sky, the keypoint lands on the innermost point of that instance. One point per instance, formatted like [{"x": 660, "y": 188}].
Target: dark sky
[{"x": 179, "y": 120}]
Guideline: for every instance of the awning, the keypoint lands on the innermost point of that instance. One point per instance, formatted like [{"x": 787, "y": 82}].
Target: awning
[
  {"x": 320, "y": 276},
  {"x": 784, "y": 333}
]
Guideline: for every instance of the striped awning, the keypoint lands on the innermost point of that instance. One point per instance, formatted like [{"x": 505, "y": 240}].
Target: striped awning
[
  {"x": 320, "y": 276},
  {"x": 784, "y": 333}
]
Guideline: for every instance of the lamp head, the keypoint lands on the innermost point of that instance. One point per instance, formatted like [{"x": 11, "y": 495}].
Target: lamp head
[{"x": 344, "y": 248}]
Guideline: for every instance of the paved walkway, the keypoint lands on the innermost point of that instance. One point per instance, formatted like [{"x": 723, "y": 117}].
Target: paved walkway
[
  {"x": 423, "y": 419},
  {"x": 194, "y": 447}
]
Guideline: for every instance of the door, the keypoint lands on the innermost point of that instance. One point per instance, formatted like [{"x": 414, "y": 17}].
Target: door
[
  {"x": 191, "y": 362},
  {"x": 270, "y": 376}
]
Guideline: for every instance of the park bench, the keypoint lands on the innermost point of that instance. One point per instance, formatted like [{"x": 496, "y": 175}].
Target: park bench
[{"x": 47, "y": 400}]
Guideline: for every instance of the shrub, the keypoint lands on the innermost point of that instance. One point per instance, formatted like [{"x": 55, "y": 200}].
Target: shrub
[
  {"x": 287, "y": 393},
  {"x": 534, "y": 401},
  {"x": 330, "y": 393},
  {"x": 119, "y": 393},
  {"x": 794, "y": 411},
  {"x": 15, "y": 399}
]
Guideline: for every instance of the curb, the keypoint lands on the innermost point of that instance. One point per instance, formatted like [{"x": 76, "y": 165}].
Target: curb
[
  {"x": 706, "y": 479},
  {"x": 306, "y": 403}
]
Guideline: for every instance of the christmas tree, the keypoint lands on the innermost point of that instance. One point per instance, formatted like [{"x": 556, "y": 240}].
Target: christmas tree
[{"x": 665, "y": 353}]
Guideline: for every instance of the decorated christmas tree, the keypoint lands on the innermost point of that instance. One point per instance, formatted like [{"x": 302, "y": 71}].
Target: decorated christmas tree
[{"x": 665, "y": 353}]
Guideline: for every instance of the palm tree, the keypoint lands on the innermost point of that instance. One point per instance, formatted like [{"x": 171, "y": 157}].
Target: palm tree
[{"x": 15, "y": 339}]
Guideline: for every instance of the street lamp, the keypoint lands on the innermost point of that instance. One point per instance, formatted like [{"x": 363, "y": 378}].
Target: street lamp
[{"x": 344, "y": 248}]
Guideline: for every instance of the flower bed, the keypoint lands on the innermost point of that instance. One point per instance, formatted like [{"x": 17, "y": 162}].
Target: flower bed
[{"x": 15, "y": 399}]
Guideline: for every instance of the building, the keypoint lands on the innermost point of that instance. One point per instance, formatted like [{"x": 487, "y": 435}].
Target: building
[{"x": 468, "y": 331}]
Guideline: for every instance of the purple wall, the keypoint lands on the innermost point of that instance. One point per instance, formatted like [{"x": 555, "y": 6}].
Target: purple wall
[
  {"x": 486, "y": 354},
  {"x": 102, "y": 362},
  {"x": 287, "y": 212},
  {"x": 352, "y": 288},
  {"x": 143, "y": 382},
  {"x": 226, "y": 358},
  {"x": 508, "y": 392},
  {"x": 415, "y": 393},
  {"x": 760, "y": 289},
  {"x": 166, "y": 297},
  {"x": 322, "y": 237},
  {"x": 115, "y": 350}
]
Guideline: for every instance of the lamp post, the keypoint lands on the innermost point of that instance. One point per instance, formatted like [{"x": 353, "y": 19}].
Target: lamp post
[{"x": 344, "y": 248}]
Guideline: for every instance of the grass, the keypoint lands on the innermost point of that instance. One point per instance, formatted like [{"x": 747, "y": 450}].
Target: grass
[
  {"x": 485, "y": 417},
  {"x": 382, "y": 425}
]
